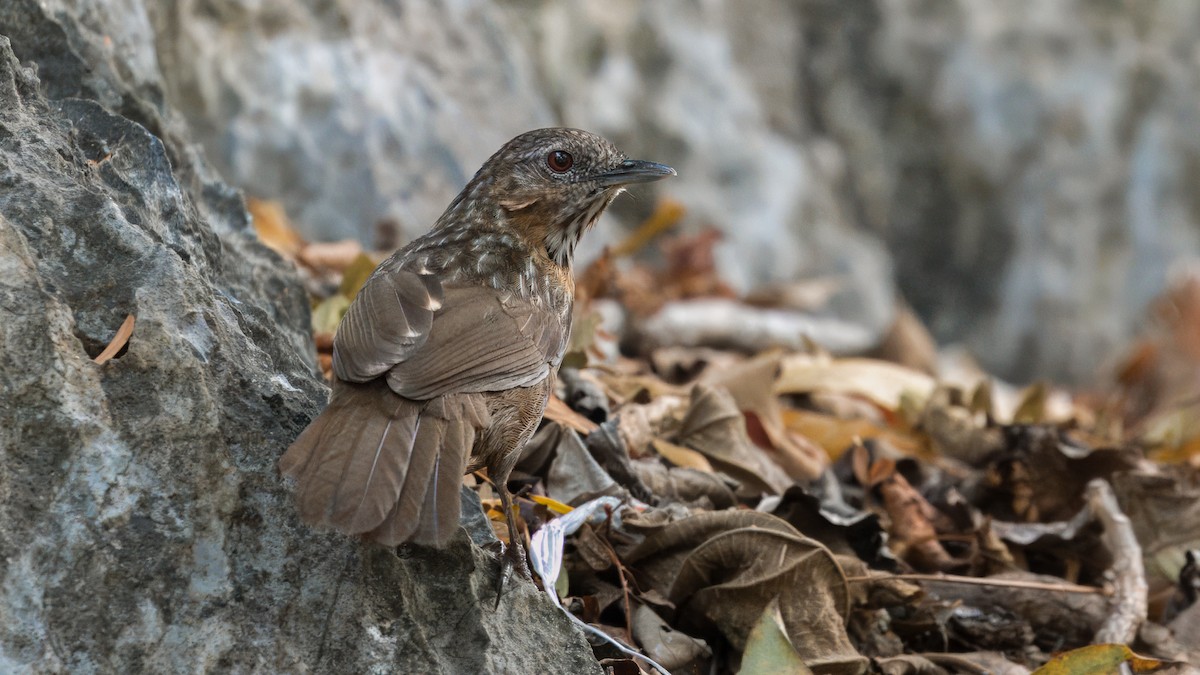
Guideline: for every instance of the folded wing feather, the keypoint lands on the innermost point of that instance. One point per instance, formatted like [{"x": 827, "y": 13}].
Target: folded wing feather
[{"x": 386, "y": 457}]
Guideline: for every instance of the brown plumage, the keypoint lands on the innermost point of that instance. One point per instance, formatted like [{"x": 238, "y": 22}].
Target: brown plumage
[{"x": 445, "y": 360}]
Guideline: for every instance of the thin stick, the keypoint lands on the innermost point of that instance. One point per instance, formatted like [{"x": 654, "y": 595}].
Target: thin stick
[
  {"x": 978, "y": 581},
  {"x": 1129, "y": 609},
  {"x": 612, "y": 554}
]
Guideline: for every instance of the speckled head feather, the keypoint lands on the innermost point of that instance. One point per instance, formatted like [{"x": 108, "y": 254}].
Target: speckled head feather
[{"x": 549, "y": 186}]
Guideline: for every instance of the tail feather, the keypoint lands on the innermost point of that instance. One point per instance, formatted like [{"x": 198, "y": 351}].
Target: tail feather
[
  {"x": 443, "y": 505},
  {"x": 432, "y": 515},
  {"x": 373, "y": 474},
  {"x": 316, "y": 495},
  {"x": 301, "y": 451},
  {"x": 377, "y": 463},
  {"x": 350, "y": 463},
  {"x": 426, "y": 460}
]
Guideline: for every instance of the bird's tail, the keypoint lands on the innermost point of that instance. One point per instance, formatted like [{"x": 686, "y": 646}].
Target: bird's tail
[{"x": 378, "y": 464}]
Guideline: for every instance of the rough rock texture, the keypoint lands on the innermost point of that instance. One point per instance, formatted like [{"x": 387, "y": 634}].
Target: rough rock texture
[
  {"x": 1027, "y": 166},
  {"x": 143, "y": 524}
]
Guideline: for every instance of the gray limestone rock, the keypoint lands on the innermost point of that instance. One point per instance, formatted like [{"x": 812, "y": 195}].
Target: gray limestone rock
[{"x": 143, "y": 524}]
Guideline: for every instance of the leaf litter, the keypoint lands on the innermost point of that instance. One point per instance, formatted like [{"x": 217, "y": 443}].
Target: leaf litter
[{"x": 727, "y": 484}]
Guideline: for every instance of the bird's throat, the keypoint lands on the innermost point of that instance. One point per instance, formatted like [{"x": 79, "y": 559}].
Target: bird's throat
[
  {"x": 561, "y": 238},
  {"x": 560, "y": 243}
]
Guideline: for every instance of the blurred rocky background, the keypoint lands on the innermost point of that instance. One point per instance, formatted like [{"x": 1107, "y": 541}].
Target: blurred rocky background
[{"x": 1021, "y": 173}]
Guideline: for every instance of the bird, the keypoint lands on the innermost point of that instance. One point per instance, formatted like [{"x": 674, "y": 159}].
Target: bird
[{"x": 445, "y": 360}]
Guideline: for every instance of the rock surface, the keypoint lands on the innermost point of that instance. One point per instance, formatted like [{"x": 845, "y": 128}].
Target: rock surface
[{"x": 143, "y": 524}]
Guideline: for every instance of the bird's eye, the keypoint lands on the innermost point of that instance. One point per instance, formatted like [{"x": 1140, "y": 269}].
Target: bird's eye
[{"x": 559, "y": 161}]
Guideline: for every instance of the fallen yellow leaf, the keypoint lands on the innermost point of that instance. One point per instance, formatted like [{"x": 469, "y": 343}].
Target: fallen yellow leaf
[
  {"x": 552, "y": 504},
  {"x": 681, "y": 456},
  {"x": 360, "y": 269},
  {"x": 835, "y": 435},
  {"x": 1095, "y": 659},
  {"x": 667, "y": 214},
  {"x": 328, "y": 313}
]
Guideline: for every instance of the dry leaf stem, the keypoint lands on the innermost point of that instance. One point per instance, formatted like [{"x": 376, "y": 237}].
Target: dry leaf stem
[{"x": 983, "y": 581}]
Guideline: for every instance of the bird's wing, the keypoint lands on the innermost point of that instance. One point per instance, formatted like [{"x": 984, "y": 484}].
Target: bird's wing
[
  {"x": 388, "y": 321},
  {"x": 482, "y": 340}
]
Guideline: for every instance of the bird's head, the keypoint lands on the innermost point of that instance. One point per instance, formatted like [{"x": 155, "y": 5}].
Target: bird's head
[{"x": 552, "y": 184}]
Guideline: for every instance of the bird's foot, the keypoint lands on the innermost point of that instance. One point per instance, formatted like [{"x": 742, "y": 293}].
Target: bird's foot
[{"x": 513, "y": 558}]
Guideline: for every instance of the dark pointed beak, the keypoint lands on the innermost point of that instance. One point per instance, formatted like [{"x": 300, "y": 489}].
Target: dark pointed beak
[{"x": 634, "y": 171}]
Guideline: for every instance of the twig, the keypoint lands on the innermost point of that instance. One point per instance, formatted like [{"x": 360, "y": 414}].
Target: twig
[
  {"x": 982, "y": 581},
  {"x": 612, "y": 555},
  {"x": 1129, "y": 606}
]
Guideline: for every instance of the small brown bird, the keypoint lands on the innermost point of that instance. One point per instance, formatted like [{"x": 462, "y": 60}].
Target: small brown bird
[{"x": 444, "y": 362}]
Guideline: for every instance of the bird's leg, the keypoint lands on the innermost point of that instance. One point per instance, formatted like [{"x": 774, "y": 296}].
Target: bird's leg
[
  {"x": 528, "y": 405},
  {"x": 514, "y": 553}
]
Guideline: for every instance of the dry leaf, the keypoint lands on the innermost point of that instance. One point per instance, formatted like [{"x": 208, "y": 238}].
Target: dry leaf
[
  {"x": 877, "y": 381},
  {"x": 914, "y": 537},
  {"x": 715, "y": 427},
  {"x": 909, "y": 343},
  {"x": 752, "y": 385},
  {"x": 681, "y": 456},
  {"x": 1032, "y": 408},
  {"x": 574, "y": 475},
  {"x": 672, "y": 649},
  {"x": 730, "y": 578},
  {"x": 124, "y": 332},
  {"x": 560, "y": 412},
  {"x": 1173, "y": 433},
  {"x": 336, "y": 255},
  {"x": 273, "y": 227},
  {"x": 689, "y": 486}
]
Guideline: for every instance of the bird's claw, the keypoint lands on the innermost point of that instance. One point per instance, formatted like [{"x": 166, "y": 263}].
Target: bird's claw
[
  {"x": 506, "y": 568},
  {"x": 513, "y": 558}
]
